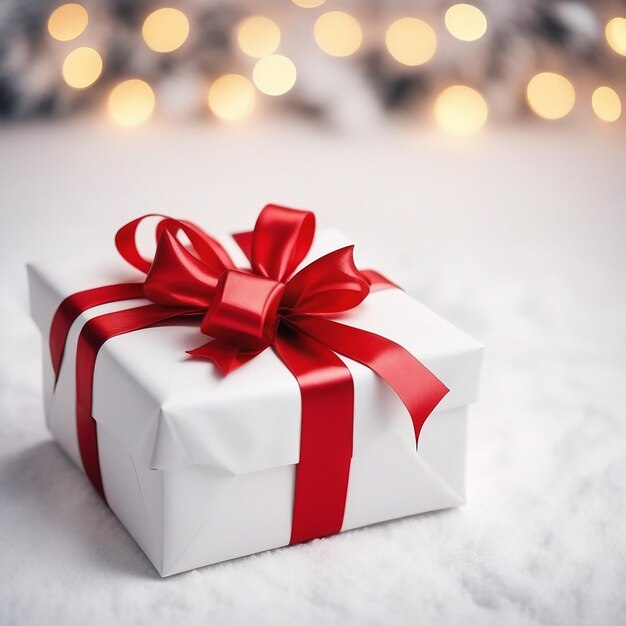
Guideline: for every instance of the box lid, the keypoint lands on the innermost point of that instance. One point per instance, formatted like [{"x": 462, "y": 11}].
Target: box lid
[{"x": 170, "y": 410}]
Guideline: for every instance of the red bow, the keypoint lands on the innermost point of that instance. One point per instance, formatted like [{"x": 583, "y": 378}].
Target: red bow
[{"x": 246, "y": 311}]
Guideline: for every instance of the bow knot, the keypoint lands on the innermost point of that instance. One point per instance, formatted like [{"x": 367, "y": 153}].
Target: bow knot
[{"x": 244, "y": 310}]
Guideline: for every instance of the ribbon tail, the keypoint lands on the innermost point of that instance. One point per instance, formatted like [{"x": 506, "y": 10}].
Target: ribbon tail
[
  {"x": 377, "y": 281},
  {"x": 93, "y": 335},
  {"x": 74, "y": 305},
  {"x": 226, "y": 356},
  {"x": 418, "y": 388},
  {"x": 323, "y": 470}
]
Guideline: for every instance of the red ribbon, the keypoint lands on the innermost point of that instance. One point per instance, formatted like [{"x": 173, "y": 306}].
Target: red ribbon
[{"x": 247, "y": 311}]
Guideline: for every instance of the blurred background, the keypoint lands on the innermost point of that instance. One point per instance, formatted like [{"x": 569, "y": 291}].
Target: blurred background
[
  {"x": 343, "y": 63},
  {"x": 476, "y": 155}
]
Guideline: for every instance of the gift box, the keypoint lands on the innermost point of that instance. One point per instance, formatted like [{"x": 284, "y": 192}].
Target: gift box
[{"x": 231, "y": 395}]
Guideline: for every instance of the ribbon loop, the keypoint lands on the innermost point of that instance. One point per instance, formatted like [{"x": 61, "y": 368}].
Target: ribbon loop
[
  {"x": 177, "y": 278},
  {"x": 282, "y": 238},
  {"x": 207, "y": 249},
  {"x": 330, "y": 284}
]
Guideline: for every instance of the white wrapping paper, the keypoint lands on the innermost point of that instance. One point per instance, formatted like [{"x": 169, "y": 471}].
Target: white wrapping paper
[{"x": 201, "y": 468}]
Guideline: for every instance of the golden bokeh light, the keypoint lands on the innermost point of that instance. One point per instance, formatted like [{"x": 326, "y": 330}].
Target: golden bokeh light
[
  {"x": 165, "y": 30},
  {"x": 258, "y": 36},
  {"x": 550, "y": 95},
  {"x": 411, "y": 41},
  {"x": 338, "y": 33},
  {"x": 131, "y": 103},
  {"x": 465, "y": 22},
  {"x": 615, "y": 33},
  {"x": 460, "y": 110},
  {"x": 82, "y": 67},
  {"x": 606, "y": 104},
  {"x": 231, "y": 97},
  {"x": 309, "y": 4},
  {"x": 274, "y": 75},
  {"x": 67, "y": 21}
]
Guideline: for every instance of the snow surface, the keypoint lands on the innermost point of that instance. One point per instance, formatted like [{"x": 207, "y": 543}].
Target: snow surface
[{"x": 517, "y": 236}]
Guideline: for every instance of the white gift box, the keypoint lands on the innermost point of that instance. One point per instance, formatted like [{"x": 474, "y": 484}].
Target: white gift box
[{"x": 200, "y": 468}]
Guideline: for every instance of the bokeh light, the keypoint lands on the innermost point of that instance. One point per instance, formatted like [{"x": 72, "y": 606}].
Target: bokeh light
[
  {"x": 606, "y": 104},
  {"x": 165, "y": 30},
  {"x": 338, "y": 33},
  {"x": 615, "y": 33},
  {"x": 550, "y": 95},
  {"x": 309, "y": 4},
  {"x": 258, "y": 36},
  {"x": 231, "y": 97},
  {"x": 131, "y": 103},
  {"x": 465, "y": 22},
  {"x": 460, "y": 110},
  {"x": 68, "y": 21},
  {"x": 82, "y": 67},
  {"x": 411, "y": 41},
  {"x": 274, "y": 75}
]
